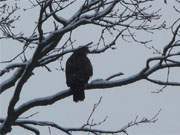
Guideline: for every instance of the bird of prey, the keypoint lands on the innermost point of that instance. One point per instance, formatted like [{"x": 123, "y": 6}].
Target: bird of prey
[{"x": 78, "y": 71}]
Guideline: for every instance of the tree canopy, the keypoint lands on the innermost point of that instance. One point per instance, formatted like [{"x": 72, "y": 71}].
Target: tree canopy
[{"x": 49, "y": 37}]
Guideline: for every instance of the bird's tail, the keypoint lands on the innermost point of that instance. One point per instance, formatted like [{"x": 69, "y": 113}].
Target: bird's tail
[{"x": 78, "y": 94}]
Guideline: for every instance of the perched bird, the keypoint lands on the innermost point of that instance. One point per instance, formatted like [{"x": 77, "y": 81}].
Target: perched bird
[{"x": 78, "y": 71}]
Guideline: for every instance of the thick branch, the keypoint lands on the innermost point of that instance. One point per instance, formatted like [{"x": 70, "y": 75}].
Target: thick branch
[
  {"x": 96, "y": 84},
  {"x": 11, "y": 81}
]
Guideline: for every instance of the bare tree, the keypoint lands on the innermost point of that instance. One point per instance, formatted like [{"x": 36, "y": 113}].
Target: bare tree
[{"x": 116, "y": 19}]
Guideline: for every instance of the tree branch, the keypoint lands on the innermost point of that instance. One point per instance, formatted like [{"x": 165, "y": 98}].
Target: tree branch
[
  {"x": 68, "y": 130},
  {"x": 32, "y": 129}
]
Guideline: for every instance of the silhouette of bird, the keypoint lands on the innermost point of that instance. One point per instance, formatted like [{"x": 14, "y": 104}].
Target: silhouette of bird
[{"x": 78, "y": 71}]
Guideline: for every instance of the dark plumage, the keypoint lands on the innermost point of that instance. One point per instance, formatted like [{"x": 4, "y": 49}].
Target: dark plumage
[{"x": 78, "y": 72}]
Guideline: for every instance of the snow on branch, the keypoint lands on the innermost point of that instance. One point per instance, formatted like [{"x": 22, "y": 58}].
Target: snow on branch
[{"x": 115, "y": 17}]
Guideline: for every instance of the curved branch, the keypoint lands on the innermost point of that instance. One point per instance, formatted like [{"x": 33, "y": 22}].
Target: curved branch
[
  {"x": 96, "y": 84},
  {"x": 159, "y": 82},
  {"x": 43, "y": 101},
  {"x": 113, "y": 76},
  {"x": 11, "y": 67},
  {"x": 68, "y": 131},
  {"x": 175, "y": 33},
  {"x": 57, "y": 18}
]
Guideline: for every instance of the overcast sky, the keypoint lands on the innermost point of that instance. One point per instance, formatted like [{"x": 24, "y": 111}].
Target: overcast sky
[{"x": 120, "y": 104}]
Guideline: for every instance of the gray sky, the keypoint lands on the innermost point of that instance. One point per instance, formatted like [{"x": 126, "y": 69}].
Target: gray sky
[{"x": 120, "y": 104}]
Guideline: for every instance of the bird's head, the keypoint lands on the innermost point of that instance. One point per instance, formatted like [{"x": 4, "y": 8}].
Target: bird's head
[{"x": 82, "y": 50}]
